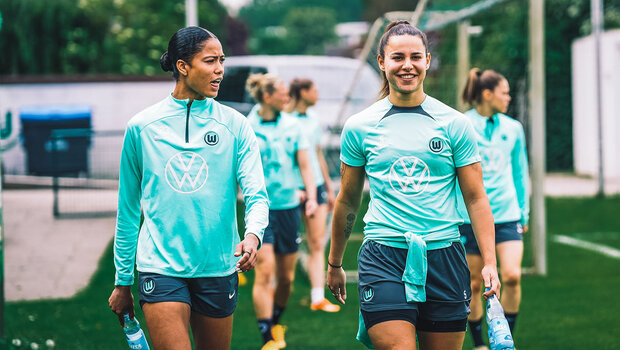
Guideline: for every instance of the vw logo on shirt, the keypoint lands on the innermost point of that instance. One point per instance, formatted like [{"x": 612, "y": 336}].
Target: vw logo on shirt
[
  {"x": 409, "y": 176},
  {"x": 492, "y": 159},
  {"x": 186, "y": 172}
]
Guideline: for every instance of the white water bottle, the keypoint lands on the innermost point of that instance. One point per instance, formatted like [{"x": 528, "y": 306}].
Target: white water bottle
[
  {"x": 135, "y": 336},
  {"x": 499, "y": 331}
]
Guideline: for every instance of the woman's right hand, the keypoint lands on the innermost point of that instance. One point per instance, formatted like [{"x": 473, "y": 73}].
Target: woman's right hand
[
  {"x": 121, "y": 301},
  {"x": 337, "y": 281}
]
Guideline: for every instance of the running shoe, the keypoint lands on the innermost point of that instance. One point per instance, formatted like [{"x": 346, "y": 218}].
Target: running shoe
[
  {"x": 324, "y": 305},
  {"x": 277, "y": 332},
  {"x": 271, "y": 345},
  {"x": 242, "y": 280}
]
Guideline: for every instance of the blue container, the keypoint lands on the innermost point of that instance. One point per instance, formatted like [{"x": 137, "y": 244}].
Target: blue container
[{"x": 66, "y": 156}]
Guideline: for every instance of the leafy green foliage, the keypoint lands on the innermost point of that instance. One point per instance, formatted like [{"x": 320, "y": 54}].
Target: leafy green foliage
[
  {"x": 296, "y": 26},
  {"x": 95, "y": 36},
  {"x": 268, "y": 13},
  {"x": 309, "y": 29}
]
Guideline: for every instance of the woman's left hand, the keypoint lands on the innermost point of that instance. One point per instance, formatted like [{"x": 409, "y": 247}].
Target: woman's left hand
[
  {"x": 248, "y": 248},
  {"x": 311, "y": 206},
  {"x": 491, "y": 280},
  {"x": 337, "y": 283}
]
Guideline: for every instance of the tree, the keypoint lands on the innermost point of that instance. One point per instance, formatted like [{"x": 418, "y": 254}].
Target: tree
[
  {"x": 95, "y": 36},
  {"x": 309, "y": 29},
  {"x": 260, "y": 14}
]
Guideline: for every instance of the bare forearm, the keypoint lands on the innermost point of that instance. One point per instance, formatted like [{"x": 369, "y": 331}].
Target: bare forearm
[
  {"x": 309, "y": 184},
  {"x": 324, "y": 169},
  {"x": 482, "y": 222},
  {"x": 344, "y": 218}
]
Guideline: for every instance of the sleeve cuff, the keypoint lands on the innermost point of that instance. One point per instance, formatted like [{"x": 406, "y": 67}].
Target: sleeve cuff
[
  {"x": 352, "y": 162},
  {"x": 466, "y": 162},
  {"x": 124, "y": 281}
]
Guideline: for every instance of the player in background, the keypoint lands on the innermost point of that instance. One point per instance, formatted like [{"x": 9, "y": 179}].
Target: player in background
[
  {"x": 182, "y": 162},
  {"x": 501, "y": 141},
  {"x": 304, "y": 94},
  {"x": 413, "y": 276},
  {"x": 283, "y": 150}
]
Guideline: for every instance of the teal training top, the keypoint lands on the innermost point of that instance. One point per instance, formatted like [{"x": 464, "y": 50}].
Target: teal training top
[
  {"x": 278, "y": 141},
  {"x": 311, "y": 127},
  {"x": 504, "y": 167},
  {"x": 410, "y": 155},
  {"x": 182, "y": 163}
]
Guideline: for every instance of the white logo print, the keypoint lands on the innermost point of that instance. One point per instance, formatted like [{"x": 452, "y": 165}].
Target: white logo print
[
  {"x": 186, "y": 172},
  {"x": 409, "y": 175},
  {"x": 492, "y": 159},
  {"x": 230, "y": 296}
]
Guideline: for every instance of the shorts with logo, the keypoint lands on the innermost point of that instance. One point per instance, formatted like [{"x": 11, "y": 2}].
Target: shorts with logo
[
  {"x": 321, "y": 196},
  {"x": 381, "y": 287},
  {"x": 209, "y": 296},
  {"x": 283, "y": 230},
  {"x": 504, "y": 232}
]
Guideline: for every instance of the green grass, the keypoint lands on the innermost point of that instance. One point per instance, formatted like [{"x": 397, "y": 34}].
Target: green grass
[{"x": 574, "y": 307}]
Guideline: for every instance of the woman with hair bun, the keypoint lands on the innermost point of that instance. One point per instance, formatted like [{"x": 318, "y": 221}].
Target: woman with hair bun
[
  {"x": 501, "y": 141},
  {"x": 304, "y": 94},
  {"x": 182, "y": 163},
  {"x": 284, "y": 152},
  {"x": 413, "y": 276}
]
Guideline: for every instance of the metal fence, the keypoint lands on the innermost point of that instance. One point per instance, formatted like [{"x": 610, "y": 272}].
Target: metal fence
[{"x": 84, "y": 180}]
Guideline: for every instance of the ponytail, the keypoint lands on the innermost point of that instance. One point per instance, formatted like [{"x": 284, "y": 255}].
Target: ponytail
[{"x": 477, "y": 82}]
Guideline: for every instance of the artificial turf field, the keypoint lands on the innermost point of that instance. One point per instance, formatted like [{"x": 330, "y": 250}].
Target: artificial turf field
[{"x": 574, "y": 307}]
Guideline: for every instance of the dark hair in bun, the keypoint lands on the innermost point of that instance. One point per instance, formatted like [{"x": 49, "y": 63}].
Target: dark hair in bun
[{"x": 183, "y": 45}]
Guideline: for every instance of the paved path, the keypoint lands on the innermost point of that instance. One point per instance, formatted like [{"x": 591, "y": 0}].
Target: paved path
[
  {"x": 55, "y": 258},
  {"x": 47, "y": 257}
]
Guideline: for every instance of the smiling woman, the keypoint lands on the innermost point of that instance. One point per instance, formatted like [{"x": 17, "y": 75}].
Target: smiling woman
[
  {"x": 413, "y": 276},
  {"x": 182, "y": 162}
]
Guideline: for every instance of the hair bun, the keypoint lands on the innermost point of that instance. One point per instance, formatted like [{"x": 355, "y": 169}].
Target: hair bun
[{"x": 165, "y": 63}]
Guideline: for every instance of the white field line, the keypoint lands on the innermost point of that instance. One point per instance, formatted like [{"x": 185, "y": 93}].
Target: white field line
[{"x": 599, "y": 248}]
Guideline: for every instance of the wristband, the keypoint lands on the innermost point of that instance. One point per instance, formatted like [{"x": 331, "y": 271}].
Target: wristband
[{"x": 334, "y": 266}]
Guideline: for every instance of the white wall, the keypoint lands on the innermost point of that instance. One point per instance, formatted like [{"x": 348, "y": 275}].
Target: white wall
[
  {"x": 585, "y": 122},
  {"x": 113, "y": 104}
]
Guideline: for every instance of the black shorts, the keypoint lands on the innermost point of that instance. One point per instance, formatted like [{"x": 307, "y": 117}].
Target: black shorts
[
  {"x": 321, "y": 196},
  {"x": 283, "y": 230},
  {"x": 381, "y": 288},
  {"x": 504, "y": 232},
  {"x": 209, "y": 296}
]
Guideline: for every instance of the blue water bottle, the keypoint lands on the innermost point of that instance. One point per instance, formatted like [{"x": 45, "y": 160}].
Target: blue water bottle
[
  {"x": 135, "y": 335},
  {"x": 499, "y": 331}
]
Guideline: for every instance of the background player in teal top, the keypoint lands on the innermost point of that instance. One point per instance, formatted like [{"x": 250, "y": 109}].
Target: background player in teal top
[
  {"x": 283, "y": 149},
  {"x": 182, "y": 163},
  {"x": 304, "y": 95},
  {"x": 413, "y": 275},
  {"x": 505, "y": 170}
]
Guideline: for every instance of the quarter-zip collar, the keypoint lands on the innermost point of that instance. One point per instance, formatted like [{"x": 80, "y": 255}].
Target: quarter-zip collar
[
  {"x": 190, "y": 106},
  {"x": 487, "y": 124}
]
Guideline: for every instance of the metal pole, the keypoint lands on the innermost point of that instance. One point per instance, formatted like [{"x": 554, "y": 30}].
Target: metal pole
[
  {"x": 191, "y": 13},
  {"x": 597, "y": 25},
  {"x": 537, "y": 132},
  {"x": 55, "y": 173},
  {"x": 462, "y": 63},
  {"x": 1, "y": 258}
]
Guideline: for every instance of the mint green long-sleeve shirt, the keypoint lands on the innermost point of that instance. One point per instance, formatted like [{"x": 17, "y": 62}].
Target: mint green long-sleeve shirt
[
  {"x": 501, "y": 141},
  {"x": 181, "y": 166}
]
